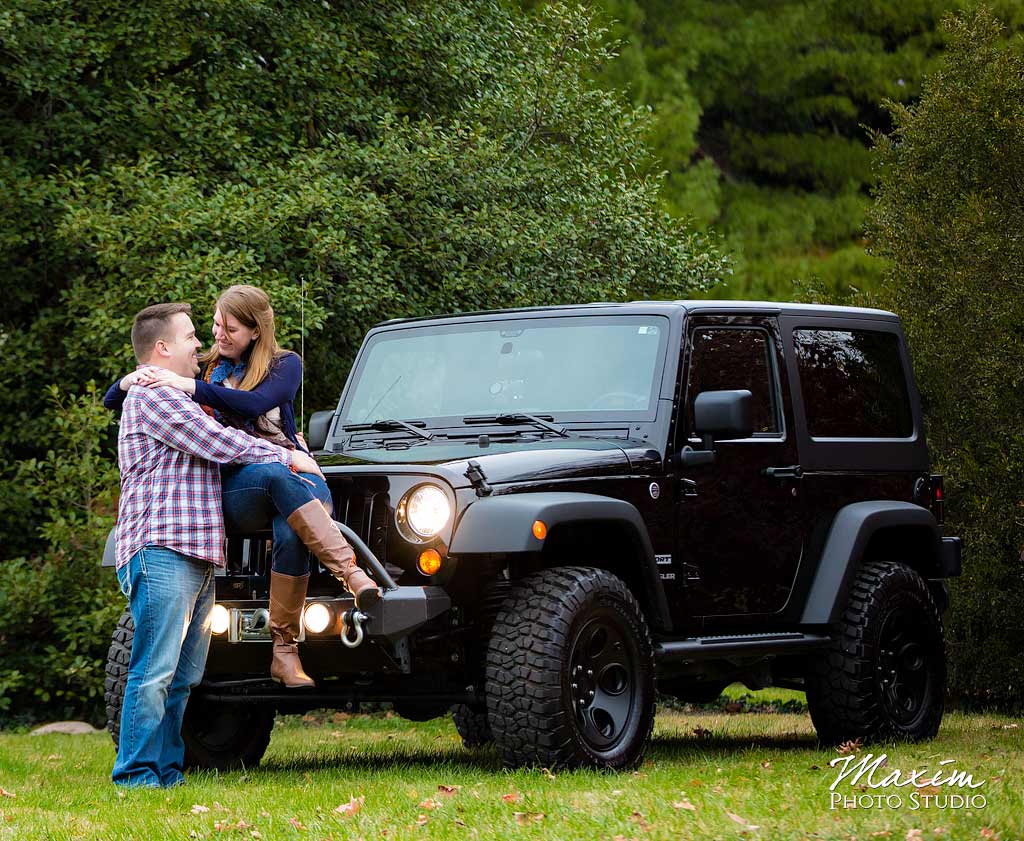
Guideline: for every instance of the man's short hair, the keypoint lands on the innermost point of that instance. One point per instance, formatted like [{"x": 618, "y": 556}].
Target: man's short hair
[{"x": 152, "y": 324}]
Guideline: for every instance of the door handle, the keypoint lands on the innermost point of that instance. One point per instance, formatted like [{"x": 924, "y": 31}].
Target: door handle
[{"x": 794, "y": 471}]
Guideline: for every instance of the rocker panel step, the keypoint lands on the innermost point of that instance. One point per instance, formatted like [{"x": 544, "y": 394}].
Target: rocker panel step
[{"x": 755, "y": 645}]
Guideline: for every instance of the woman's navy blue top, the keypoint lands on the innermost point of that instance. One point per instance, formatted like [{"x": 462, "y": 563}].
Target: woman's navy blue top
[{"x": 278, "y": 389}]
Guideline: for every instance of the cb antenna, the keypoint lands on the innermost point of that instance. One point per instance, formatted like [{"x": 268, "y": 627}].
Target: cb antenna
[{"x": 302, "y": 349}]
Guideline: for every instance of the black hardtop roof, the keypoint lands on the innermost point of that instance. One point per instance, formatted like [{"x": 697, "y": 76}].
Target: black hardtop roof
[{"x": 727, "y": 306}]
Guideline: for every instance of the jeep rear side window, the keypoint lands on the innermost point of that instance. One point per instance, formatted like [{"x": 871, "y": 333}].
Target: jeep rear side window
[
  {"x": 853, "y": 384},
  {"x": 736, "y": 358}
]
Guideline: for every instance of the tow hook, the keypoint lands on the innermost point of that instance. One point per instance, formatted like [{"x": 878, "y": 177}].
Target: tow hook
[{"x": 353, "y": 618}]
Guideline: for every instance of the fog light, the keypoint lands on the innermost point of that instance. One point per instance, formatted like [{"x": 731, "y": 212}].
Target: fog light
[
  {"x": 429, "y": 562},
  {"x": 316, "y": 617},
  {"x": 219, "y": 619},
  {"x": 540, "y": 531}
]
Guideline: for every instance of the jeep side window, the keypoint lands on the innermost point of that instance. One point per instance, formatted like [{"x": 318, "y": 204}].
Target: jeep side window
[
  {"x": 736, "y": 358},
  {"x": 853, "y": 384}
]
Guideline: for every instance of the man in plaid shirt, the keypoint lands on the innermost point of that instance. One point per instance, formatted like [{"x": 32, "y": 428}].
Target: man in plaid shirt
[{"x": 170, "y": 535}]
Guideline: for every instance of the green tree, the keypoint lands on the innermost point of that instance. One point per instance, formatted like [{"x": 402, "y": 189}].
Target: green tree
[
  {"x": 359, "y": 161},
  {"x": 762, "y": 116},
  {"x": 947, "y": 218}
]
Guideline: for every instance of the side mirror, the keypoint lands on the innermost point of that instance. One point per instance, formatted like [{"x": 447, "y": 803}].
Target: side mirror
[
  {"x": 319, "y": 427},
  {"x": 718, "y": 415},
  {"x": 723, "y": 415}
]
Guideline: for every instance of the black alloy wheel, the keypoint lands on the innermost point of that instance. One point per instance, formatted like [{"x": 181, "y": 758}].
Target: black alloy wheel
[
  {"x": 884, "y": 675},
  {"x": 570, "y": 672},
  {"x": 601, "y": 686},
  {"x": 903, "y": 669}
]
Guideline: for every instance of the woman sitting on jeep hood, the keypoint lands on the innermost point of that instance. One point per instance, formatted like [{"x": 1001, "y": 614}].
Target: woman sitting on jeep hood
[{"x": 247, "y": 381}]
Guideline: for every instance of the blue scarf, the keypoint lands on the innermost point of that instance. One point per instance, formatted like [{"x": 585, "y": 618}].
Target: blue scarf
[{"x": 224, "y": 369}]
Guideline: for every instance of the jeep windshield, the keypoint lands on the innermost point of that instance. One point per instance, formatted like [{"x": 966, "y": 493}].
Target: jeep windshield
[{"x": 569, "y": 368}]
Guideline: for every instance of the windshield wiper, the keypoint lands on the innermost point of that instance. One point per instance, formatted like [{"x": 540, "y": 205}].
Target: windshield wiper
[
  {"x": 543, "y": 421},
  {"x": 390, "y": 423}
]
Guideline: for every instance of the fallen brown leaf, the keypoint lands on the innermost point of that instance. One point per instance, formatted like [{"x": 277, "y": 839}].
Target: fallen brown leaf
[
  {"x": 641, "y": 821},
  {"x": 5, "y": 793},
  {"x": 914, "y": 835},
  {"x": 685, "y": 804},
  {"x": 422, "y": 820},
  {"x": 929, "y": 790},
  {"x": 547, "y": 773},
  {"x": 459, "y": 822},
  {"x": 523, "y": 818},
  {"x": 701, "y": 733},
  {"x": 988, "y": 832},
  {"x": 741, "y": 821},
  {"x": 297, "y": 824},
  {"x": 199, "y": 809},
  {"x": 430, "y": 803},
  {"x": 851, "y": 746},
  {"x": 349, "y": 809},
  {"x": 766, "y": 764},
  {"x": 882, "y": 833},
  {"x": 511, "y": 797},
  {"x": 448, "y": 791}
]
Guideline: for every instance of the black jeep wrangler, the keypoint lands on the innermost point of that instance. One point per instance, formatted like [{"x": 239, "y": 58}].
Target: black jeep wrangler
[{"x": 567, "y": 504}]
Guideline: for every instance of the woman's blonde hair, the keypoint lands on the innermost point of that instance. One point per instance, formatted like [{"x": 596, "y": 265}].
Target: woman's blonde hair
[{"x": 251, "y": 307}]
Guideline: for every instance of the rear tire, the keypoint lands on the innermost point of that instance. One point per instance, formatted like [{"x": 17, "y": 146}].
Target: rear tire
[
  {"x": 219, "y": 736},
  {"x": 570, "y": 672},
  {"x": 473, "y": 726},
  {"x": 884, "y": 676}
]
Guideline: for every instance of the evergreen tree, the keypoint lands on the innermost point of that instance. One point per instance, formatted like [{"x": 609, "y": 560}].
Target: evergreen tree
[
  {"x": 947, "y": 218},
  {"x": 763, "y": 110}
]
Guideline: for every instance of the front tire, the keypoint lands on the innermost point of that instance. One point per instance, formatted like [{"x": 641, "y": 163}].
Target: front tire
[
  {"x": 884, "y": 676},
  {"x": 218, "y": 736},
  {"x": 570, "y": 672}
]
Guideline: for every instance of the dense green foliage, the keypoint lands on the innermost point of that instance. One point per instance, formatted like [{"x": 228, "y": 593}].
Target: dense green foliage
[
  {"x": 359, "y": 161},
  {"x": 947, "y": 217},
  {"x": 762, "y": 115}
]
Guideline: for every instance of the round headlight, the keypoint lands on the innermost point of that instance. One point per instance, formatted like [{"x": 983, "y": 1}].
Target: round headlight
[
  {"x": 316, "y": 617},
  {"x": 219, "y": 619},
  {"x": 427, "y": 510}
]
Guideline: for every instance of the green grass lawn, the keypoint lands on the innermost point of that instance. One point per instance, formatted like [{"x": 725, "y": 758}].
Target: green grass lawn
[{"x": 707, "y": 775}]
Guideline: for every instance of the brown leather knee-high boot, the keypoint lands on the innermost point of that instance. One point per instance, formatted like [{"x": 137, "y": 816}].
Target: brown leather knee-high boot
[
  {"x": 287, "y": 598},
  {"x": 317, "y": 530}
]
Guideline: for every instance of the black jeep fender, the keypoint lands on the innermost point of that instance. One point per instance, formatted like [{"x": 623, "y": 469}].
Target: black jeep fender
[
  {"x": 110, "y": 551},
  {"x": 504, "y": 524},
  {"x": 852, "y": 530}
]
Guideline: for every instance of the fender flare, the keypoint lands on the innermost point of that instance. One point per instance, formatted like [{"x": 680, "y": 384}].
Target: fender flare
[
  {"x": 504, "y": 524},
  {"x": 852, "y": 529},
  {"x": 110, "y": 551}
]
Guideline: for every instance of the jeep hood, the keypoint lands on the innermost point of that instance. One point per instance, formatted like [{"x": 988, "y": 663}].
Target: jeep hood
[{"x": 501, "y": 463}]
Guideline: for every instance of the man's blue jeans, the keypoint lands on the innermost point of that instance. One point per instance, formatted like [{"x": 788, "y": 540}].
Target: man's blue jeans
[
  {"x": 171, "y": 597},
  {"x": 258, "y": 497}
]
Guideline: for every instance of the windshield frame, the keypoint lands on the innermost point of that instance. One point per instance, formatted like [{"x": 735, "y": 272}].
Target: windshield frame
[{"x": 591, "y": 418}]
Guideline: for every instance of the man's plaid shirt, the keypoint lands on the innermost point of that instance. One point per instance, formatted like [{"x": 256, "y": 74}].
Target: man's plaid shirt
[{"x": 169, "y": 450}]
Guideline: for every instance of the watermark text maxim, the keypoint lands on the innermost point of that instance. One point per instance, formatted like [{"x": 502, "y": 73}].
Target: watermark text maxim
[{"x": 867, "y": 772}]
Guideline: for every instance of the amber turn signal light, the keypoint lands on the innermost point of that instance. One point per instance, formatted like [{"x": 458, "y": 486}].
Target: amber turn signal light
[
  {"x": 540, "y": 531},
  {"x": 429, "y": 561}
]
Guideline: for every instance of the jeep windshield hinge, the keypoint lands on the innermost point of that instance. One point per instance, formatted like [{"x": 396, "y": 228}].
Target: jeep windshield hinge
[{"x": 476, "y": 477}]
